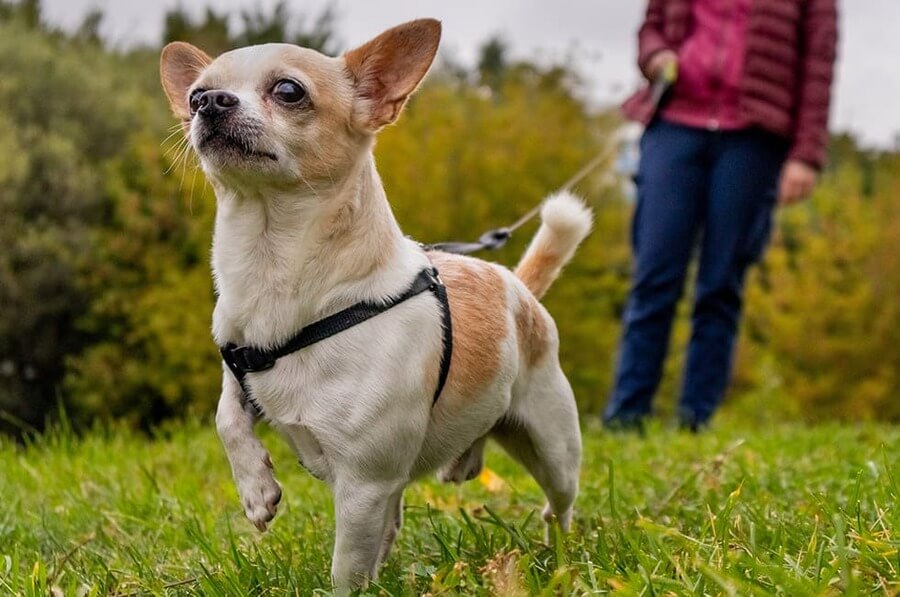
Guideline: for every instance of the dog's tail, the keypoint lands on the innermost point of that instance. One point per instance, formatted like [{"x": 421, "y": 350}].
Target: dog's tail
[{"x": 565, "y": 222}]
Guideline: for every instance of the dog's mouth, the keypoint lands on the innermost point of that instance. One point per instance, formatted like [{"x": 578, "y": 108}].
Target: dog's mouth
[{"x": 222, "y": 141}]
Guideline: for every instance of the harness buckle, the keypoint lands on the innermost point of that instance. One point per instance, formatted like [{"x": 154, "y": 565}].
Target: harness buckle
[{"x": 248, "y": 359}]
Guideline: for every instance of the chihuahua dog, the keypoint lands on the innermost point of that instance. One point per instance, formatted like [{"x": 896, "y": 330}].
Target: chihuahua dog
[{"x": 303, "y": 230}]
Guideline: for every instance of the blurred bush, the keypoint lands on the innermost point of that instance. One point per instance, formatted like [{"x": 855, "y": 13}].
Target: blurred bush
[
  {"x": 105, "y": 292},
  {"x": 68, "y": 110},
  {"x": 822, "y": 335}
]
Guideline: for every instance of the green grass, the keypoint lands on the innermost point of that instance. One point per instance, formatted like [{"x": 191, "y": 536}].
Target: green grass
[{"x": 783, "y": 510}]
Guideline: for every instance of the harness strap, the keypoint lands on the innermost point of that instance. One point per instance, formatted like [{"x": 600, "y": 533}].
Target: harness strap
[
  {"x": 242, "y": 360},
  {"x": 440, "y": 291}
]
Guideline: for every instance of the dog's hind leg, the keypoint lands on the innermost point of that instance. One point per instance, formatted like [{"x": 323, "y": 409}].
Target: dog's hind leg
[
  {"x": 467, "y": 466},
  {"x": 541, "y": 432}
]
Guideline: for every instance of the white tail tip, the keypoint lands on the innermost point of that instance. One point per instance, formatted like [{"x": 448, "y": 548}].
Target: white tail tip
[
  {"x": 568, "y": 215},
  {"x": 565, "y": 222}
]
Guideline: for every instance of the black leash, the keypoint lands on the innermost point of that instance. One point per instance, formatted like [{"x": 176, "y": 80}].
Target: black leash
[
  {"x": 242, "y": 360},
  {"x": 496, "y": 238}
]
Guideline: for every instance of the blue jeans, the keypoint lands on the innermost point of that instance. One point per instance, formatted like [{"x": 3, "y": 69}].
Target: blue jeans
[{"x": 695, "y": 187}]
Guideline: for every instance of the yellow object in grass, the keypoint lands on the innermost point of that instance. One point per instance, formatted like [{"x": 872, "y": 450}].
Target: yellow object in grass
[{"x": 491, "y": 480}]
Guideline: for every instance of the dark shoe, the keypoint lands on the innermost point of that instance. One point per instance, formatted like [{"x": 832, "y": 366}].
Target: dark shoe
[
  {"x": 626, "y": 424},
  {"x": 688, "y": 421}
]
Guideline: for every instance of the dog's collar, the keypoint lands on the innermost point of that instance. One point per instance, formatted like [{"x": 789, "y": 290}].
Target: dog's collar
[{"x": 242, "y": 360}]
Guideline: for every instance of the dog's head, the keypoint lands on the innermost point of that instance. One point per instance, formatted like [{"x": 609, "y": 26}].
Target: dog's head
[{"x": 285, "y": 115}]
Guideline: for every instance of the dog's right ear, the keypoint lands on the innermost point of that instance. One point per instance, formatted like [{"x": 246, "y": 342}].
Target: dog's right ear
[{"x": 180, "y": 64}]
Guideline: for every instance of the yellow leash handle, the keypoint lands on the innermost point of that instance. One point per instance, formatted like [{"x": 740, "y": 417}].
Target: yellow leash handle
[{"x": 663, "y": 82}]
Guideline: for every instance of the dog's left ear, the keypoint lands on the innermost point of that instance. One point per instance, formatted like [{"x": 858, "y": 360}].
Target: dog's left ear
[
  {"x": 180, "y": 64},
  {"x": 388, "y": 69}
]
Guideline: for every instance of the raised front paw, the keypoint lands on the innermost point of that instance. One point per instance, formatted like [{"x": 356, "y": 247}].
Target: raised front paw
[{"x": 260, "y": 494}]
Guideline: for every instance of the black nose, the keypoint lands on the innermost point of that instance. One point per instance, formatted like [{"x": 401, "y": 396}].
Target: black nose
[{"x": 217, "y": 102}]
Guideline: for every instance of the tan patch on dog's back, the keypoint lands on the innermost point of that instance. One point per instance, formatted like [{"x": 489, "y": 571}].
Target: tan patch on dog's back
[
  {"x": 477, "y": 295},
  {"x": 533, "y": 333}
]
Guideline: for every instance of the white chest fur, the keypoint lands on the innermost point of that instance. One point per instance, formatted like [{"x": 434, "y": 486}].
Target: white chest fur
[{"x": 276, "y": 271}]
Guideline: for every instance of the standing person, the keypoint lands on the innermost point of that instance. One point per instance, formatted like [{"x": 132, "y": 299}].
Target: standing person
[{"x": 743, "y": 128}]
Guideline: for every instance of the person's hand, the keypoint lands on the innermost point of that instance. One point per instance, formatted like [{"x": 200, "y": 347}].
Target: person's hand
[
  {"x": 798, "y": 180},
  {"x": 659, "y": 61}
]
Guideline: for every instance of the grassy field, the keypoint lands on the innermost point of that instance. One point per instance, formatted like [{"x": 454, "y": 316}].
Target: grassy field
[{"x": 783, "y": 510}]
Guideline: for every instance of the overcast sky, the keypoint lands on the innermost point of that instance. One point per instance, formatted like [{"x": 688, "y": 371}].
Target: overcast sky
[{"x": 597, "y": 34}]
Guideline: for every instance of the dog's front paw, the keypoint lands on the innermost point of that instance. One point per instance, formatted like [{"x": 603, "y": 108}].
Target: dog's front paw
[{"x": 260, "y": 494}]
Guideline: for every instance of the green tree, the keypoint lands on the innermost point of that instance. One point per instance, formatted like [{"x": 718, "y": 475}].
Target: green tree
[
  {"x": 56, "y": 142},
  {"x": 210, "y": 32},
  {"x": 823, "y": 320},
  {"x": 492, "y": 62},
  {"x": 280, "y": 25},
  {"x": 26, "y": 12}
]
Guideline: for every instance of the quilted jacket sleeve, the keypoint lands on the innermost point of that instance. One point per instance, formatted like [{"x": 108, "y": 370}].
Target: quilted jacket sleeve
[
  {"x": 817, "y": 55},
  {"x": 650, "y": 35}
]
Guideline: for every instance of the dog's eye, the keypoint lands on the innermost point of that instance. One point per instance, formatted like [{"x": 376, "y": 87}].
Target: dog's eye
[
  {"x": 194, "y": 100},
  {"x": 288, "y": 92}
]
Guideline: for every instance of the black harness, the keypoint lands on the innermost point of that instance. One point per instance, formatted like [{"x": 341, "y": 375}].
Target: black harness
[{"x": 242, "y": 360}]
